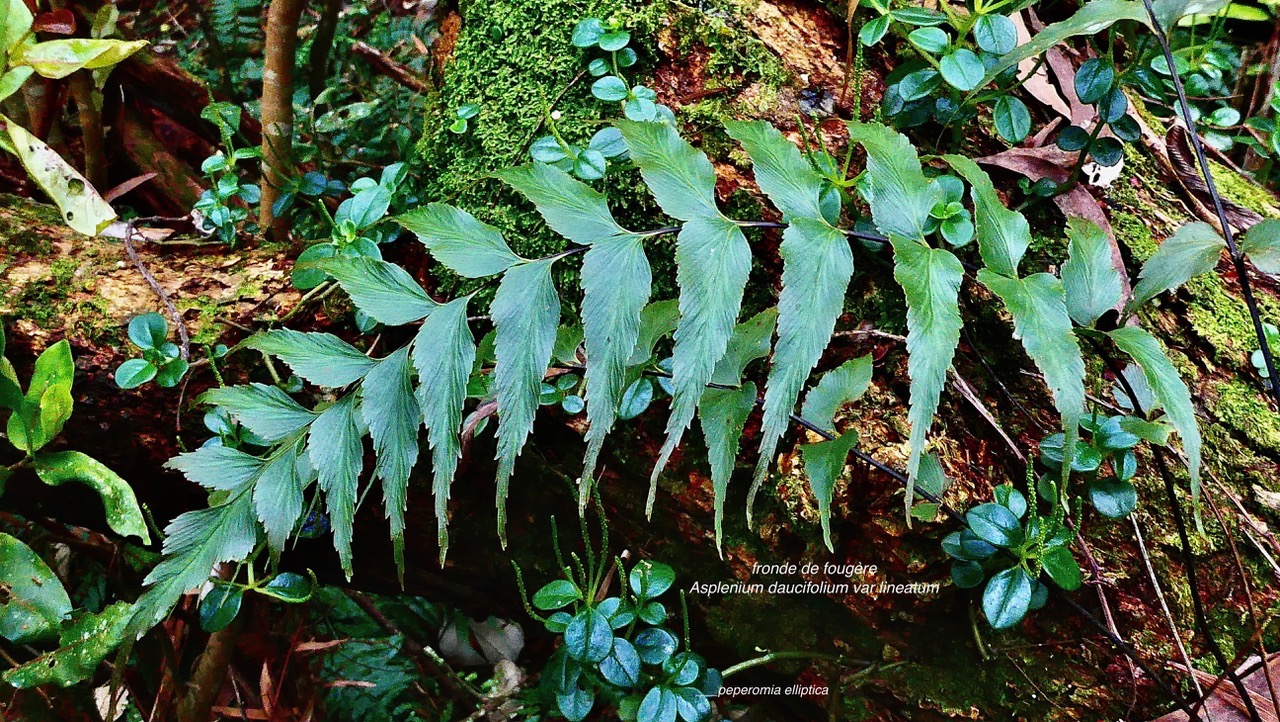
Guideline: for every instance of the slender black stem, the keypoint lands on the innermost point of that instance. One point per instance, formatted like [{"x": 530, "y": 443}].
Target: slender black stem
[
  {"x": 1237, "y": 258},
  {"x": 1131, "y": 653},
  {"x": 1184, "y": 540}
]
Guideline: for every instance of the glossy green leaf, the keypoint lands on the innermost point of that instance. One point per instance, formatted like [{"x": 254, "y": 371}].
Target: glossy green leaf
[
  {"x": 133, "y": 373},
  {"x": 82, "y": 645},
  {"x": 1113, "y": 498},
  {"x": 588, "y": 638},
  {"x": 556, "y": 595},
  {"x": 1012, "y": 119},
  {"x": 220, "y": 606},
  {"x": 1062, "y": 568},
  {"x": 289, "y": 587},
  {"x": 82, "y": 208},
  {"x": 1007, "y": 597},
  {"x": 62, "y": 57},
  {"x": 995, "y": 33},
  {"x": 525, "y": 311},
  {"x": 1093, "y": 17},
  {"x": 148, "y": 330},
  {"x": 650, "y": 579},
  {"x": 962, "y": 69},
  {"x": 659, "y": 705},
  {"x": 655, "y": 645},
  {"x": 443, "y": 353},
  {"x": 995, "y": 524},
  {"x": 34, "y": 601},
  {"x": 622, "y": 667},
  {"x": 123, "y": 514}
]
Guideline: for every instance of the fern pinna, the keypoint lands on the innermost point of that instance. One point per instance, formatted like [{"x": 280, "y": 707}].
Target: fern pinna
[{"x": 259, "y": 500}]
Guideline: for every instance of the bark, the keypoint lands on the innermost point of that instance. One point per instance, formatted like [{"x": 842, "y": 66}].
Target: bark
[{"x": 277, "y": 108}]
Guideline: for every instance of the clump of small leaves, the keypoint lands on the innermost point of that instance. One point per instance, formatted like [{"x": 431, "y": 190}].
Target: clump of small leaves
[
  {"x": 1006, "y": 545},
  {"x": 224, "y": 207},
  {"x": 355, "y": 230},
  {"x": 952, "y": 55},
  {"x": 161, "y": 359},
  {"x": 615, "y": 651}
]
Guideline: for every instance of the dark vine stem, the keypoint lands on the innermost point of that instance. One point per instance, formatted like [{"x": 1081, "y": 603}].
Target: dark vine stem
[
  {"x": 1184, "y": 541},
  {"x": 1237, "y": 257},
  {"x": 1132, "y": 653}
]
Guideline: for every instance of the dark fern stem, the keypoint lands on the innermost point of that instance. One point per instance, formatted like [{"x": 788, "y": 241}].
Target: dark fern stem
[
  {"x": 1184, "y": 543},
  {"x": 1237, "y": 257}
]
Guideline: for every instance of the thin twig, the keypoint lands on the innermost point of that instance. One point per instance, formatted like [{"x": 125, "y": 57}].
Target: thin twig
[
  {"x": 183, "y": 335},
  {"x": 1164, "y": 605}
]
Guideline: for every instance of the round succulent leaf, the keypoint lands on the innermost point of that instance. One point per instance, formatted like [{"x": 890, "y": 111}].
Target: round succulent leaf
[
  {"x": 556, "y": 595},
  {"x": 588, "y": 638}
]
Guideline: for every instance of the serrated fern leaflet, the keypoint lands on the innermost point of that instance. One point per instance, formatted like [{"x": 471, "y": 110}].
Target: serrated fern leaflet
[
  {"x": 712, "y": 263},
  {"x": 393, "y": 416},
  {"x": 1040, "y": 319},
  {"x": 443, "y": 354},
  {"x": 930, "y": 278},
  {"x": 616, "y": 282},
  {"x": 818, "y": 266},
  {"x": 525, "y": 313}
]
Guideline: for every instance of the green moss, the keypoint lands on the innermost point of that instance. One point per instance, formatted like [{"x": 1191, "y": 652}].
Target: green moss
[
  {"x": 1241, "y": 407},
  {"x": 1240, "y": 189},
  {"x": 22, "y": 224},
  {"x": 514, "y": 58}
]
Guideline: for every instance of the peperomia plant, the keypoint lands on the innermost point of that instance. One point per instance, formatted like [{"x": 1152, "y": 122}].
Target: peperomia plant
[
  {"x": 161, "y": 358},
  {"x": 224, "y": 207},
  {"x": 615, "y": 651}
]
